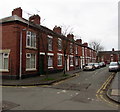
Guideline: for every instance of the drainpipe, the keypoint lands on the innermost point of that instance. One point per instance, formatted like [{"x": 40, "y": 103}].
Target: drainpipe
[{"x": 20, "y": 74}]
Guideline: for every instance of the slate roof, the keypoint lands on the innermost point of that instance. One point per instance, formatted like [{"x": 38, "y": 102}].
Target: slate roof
[{"x": 40, "y": 27}]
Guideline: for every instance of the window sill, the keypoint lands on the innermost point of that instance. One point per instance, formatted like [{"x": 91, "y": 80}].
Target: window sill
[
  {"x": 71, "y": 65},
  {"x": 3, "y": 70},
  {"x": 59, "y": 65},
  {"x": 59, "y": 49},
  {"x": 50, "y": 67},
  {"x": 32, "y": 69}
]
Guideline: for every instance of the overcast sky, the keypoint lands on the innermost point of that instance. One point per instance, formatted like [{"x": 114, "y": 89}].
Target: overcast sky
[{"x": 89, "y": 19}]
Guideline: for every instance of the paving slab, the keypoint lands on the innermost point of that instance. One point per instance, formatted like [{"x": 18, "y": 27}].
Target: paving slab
[{"x": 114, "y": 91}]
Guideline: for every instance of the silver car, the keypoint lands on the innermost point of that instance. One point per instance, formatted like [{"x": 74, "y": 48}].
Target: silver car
[
  {"x": 114, "y": 66},
  {"x": 96, "y": 65},
  {"x": 89, "y": 66}
]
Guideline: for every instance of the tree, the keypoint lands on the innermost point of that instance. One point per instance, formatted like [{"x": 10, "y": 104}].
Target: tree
[
  {"x": 66, "y": 30},
  {"x": 65, "y": 44},
  {"x": 65, "y": 48},
  {"x": 96, "y": 46}
]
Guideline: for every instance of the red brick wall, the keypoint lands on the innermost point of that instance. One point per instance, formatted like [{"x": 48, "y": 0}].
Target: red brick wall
[{"x": 10, "y": 35}]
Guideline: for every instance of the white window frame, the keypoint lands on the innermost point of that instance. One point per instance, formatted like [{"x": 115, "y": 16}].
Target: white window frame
[
  {"x": 71, "y": 48},
  {"x": 30, "y": 36},
  {"x": 83, "y": 52},
  {"x": 50, "y": 45},
  {"x": 30, "y": 69},
  {"x": 71, "y": 64},
  {"x": 52, "y": 61},
  {"x": 2, "y": 64},
  {"x": 59, "y": 44},
  {"x": 86, "y": 52},
  {"x": 76, "y": 49},
  {"x": 59, "y": 58},
  {"x": 76, "y": 61}
]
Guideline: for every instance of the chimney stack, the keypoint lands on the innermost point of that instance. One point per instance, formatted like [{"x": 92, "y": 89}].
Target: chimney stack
[
  {"x": 79, "y": 41},
  {"x": 70, "y": 36},
  {"x": 35, "y": 19},
  {"x": 113, "y": 49},
  {"x": 17, "y": 11},
  {"x": 57, "y": 29},
  {"x": 85, "y": 44}
]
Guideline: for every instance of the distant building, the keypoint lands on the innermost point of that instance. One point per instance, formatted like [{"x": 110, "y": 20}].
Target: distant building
[{"x": 109, "y": 56}]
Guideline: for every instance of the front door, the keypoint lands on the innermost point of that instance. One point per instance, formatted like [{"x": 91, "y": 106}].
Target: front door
[{"x": 41, "y": 64}]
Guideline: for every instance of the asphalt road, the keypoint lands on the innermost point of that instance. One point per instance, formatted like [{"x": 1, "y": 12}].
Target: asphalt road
[{"x": 78, "y": 93}]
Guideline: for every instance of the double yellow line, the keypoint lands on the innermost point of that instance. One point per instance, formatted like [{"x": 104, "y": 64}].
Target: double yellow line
[
  {"x": 104, "y": 86},
  {"x": 99, "y": 94}
]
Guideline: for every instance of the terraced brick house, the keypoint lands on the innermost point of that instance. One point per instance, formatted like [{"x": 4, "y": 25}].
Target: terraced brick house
[{"x": 30, "y": 49}]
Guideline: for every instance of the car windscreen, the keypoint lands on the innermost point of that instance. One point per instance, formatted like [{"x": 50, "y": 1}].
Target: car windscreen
[
  {"x": 113, "y": 64},
  {"x": 90, "y": 64},
  {"x": 96, "y": 64}
]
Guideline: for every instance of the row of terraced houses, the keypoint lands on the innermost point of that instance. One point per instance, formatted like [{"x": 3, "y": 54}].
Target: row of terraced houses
[{"x": 30, "y": 49}]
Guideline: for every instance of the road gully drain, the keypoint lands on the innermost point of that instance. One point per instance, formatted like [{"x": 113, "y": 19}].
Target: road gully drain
[
  {"x": 6, "y": 105},
  {"x": 70, "y": 86}
]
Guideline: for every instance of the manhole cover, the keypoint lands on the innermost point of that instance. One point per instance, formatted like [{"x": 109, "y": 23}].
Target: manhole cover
[
  {"x": 72, "y": 86},
  {"x": 6, "y": 105}
]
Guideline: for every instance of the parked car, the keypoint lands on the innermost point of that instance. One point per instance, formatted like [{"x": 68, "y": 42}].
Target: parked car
[
  {"x": 119, "y": 62},
  {"x": 102, "y": 64},
  {"x": 114, "y": 66},
  {"x": 89, "y": 66},
  {"x": 119, "y": 65},
  {"x": 97, "y": 65}
]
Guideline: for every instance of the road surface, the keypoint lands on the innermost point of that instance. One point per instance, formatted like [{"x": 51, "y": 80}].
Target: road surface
[{"x": 78, "y": 93}]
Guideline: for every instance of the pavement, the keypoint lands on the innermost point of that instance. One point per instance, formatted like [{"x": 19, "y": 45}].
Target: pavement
[
  {"x": 114, "y": 90},
  {"x": 40, "y": 80}
]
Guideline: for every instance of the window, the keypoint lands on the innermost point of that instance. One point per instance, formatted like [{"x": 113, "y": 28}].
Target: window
[
  {"x": 50, "y": 48},
  {"x": 86, "y": 52},
  {"x": 83, "y": 51},
  {"x": 31, "y": 39},
  {"x": 90, "y": 53},
  {"x": 59, "y": 44},
  {"x": 4, "y": 60},
  {"x": 59, "y": 60},
  {"x": 71, "y": 61},
  {"x": 50, "y": 61},
  {"x": 76, "y": 49},
  {"x": 30, "y": 61},
  {"x": 76, "y": 61},
  {"x": 71, "y": 48}
]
